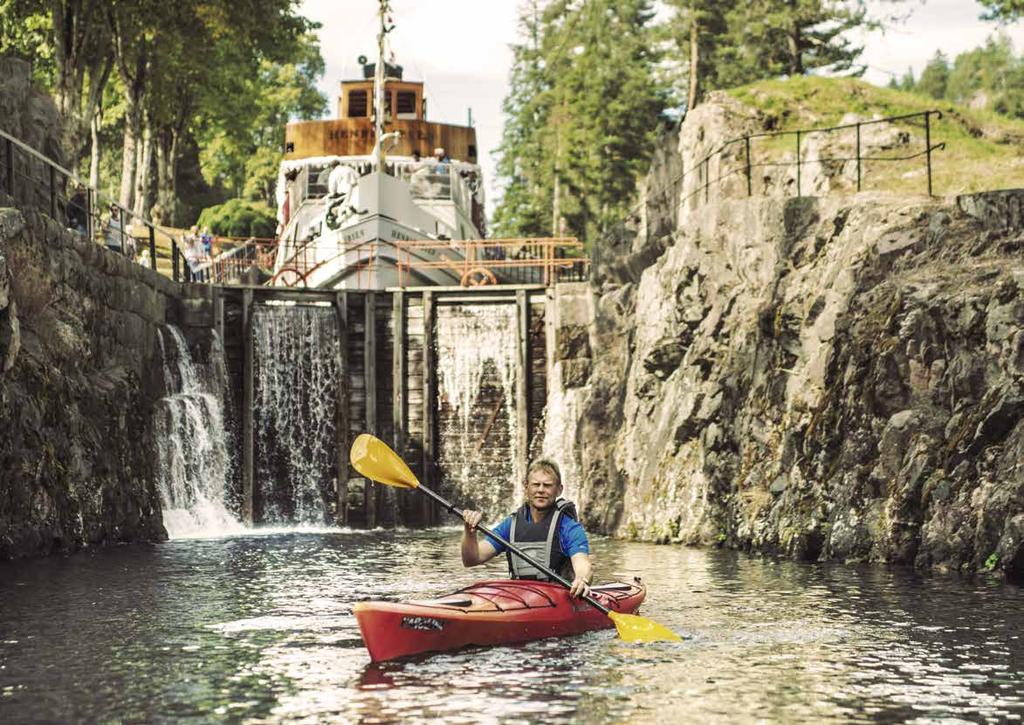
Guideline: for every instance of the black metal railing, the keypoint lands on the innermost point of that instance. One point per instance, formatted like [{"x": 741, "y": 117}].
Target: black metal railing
[
  {"x": 749, "y": 163},
  {"x": 33, "y": 180}
]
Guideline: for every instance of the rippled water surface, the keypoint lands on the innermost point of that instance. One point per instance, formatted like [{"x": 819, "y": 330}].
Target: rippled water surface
[{"x": 259, "y": 628}]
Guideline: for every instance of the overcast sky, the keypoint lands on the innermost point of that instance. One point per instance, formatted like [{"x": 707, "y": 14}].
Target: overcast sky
[{"x": 460, "y": 48}]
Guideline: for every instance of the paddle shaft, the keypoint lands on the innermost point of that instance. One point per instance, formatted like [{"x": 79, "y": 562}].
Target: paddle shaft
[{"x": 515, "y": 550}]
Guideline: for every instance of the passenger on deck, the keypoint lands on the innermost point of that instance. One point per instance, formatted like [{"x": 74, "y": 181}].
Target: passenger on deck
[
  {"x": 442, "y": 161},
  {"x": 545, "y": 527},
  {"x": 419, "y": 171},
  {"x": 342, "y": 179},
  {"x": 343, "y": 191}
]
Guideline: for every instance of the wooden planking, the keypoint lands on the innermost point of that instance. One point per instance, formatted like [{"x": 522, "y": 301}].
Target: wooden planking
[
  {"x": 247, "y": 408},
  {"x": 370, "y": 387},
  {"x": 538, "y": 375},
  {"x": 522, "y": 379},
  {"x": 341, "y": 417},
  {"x": 398, "y": 413},
  {"x": 429, "y": 402}
]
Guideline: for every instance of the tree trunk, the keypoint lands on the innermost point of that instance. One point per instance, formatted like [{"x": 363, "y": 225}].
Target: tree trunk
[
  {"x": 144, "y": 173},
  {"x": 794, "y": 43},
  {"x": 94, "y": 148},
  {"x": 165, "y": 210},
  {"x": 132, "y": 124},
  {"x": 691, "y": 100}
]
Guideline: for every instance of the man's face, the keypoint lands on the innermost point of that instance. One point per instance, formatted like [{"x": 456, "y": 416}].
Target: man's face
[{"x": 542, "y": 489}]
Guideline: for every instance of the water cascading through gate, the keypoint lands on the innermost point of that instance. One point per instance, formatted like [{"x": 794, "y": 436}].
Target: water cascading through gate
[
  {"x": 193, "y": 465},
  {"x": 297, "y": 371},
  {"x": 476, "y": 372}
]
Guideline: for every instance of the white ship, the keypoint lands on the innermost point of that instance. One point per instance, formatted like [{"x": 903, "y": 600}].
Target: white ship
[{"x": 372, "y": 200}]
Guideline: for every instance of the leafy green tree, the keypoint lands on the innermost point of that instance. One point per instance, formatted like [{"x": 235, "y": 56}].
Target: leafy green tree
[
  {"x": 25, "y": 32},
  {"x": 935, "y": 77},
  {"x": 985, "y": 69},
  {"x": 1005, "y": 11},
  {"x": 240, "y": 218},
  {"x": 241, "y": 141}
]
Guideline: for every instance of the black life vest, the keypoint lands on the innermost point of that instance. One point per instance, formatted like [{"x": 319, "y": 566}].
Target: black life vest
[{"x": 540, "y": 541}]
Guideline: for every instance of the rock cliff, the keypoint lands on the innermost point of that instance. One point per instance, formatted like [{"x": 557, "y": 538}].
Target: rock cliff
[
  {"x": 80, "y": 371},
  {"x": 832, "y": 377}
]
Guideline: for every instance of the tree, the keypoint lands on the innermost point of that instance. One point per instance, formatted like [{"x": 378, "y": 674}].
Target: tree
[
  {"x": 991, "y": 76},
  {"x": 1005, "y": 11},
  {"x": 525, "y": 208},
  {"x": 581, "y": 117},
  {"x": 793, "y": 37},
  {"x": 243, "y": 139},
  {"x": 935, "y": 77},
  {"x": 697, "y": 31}
]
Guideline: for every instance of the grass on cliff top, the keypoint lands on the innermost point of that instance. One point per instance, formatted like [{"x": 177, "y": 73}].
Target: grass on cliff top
[{"x": 983, "y": 150}]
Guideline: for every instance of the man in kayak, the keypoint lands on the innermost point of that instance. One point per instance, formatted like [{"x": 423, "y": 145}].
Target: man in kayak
[{"x": 545, "y": 528}]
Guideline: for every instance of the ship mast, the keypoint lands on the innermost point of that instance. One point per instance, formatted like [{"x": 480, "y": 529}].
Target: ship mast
[{"x": 378, "y": 87}]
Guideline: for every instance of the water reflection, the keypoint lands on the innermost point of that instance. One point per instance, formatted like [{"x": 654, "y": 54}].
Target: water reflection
[{"x": 260, "y": 629}]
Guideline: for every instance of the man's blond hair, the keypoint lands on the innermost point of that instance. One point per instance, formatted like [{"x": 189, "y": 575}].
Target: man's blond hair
[{"x": 546, "y": 465}]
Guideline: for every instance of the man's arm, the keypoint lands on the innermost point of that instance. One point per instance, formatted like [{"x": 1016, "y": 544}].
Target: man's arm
[
  {"x": 583, "y": 571},
  {"x": 474, "y": 551}
]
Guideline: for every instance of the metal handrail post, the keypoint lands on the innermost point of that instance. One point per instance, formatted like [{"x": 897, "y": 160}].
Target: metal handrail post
[
  {"x": 90, "y": 229},
  {"x": 174, "y": 260},
  {"x": 750, "y": 183},
  {"x": 152, "y": 248},
  {"x": 928, "y": 147},
  {"x": 53, "y": 193},
  {"x": 858, "y": 157},
  {"x": 120, "y": 217},
  {"x": 799, "y": 191},
  {"x": 9, "y": 162}
]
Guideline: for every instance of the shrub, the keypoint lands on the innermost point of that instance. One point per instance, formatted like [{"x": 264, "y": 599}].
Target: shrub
[{"x": 240, "y": 218}]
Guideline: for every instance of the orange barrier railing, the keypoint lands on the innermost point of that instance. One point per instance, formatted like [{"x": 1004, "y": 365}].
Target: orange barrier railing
[
  {"x": 471, "y": 262},
  {"x": 497, "y": 261}
]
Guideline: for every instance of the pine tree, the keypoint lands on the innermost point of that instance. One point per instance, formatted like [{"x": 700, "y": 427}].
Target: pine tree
[
  {"x": 580, "y": 117},
  {"x": 525, "y": 206},
  {"x": 697, "y": 31},
  {"x": 934, "y": 77},
  {"x": 794, "y": 37}
]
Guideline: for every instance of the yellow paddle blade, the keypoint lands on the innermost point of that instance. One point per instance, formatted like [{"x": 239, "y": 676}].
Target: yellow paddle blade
[
  {"x": 374, "y": 459},
  {"x": 634, "y": 628}
]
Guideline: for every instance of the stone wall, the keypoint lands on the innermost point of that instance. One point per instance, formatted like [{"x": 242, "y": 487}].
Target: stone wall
[
  {"x": 821, "y": 378},
  {"x": 80, "y": 371}
]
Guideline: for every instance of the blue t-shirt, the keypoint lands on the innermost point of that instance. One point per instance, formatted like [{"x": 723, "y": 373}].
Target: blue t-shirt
[{"x": 571, "y": 536}]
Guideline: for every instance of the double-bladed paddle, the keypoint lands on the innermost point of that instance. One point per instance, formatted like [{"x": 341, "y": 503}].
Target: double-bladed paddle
[{"x": 374, "y": 459}]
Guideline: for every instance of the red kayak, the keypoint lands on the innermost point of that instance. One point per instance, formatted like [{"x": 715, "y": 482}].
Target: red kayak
[{"x": 488, "y": 613}]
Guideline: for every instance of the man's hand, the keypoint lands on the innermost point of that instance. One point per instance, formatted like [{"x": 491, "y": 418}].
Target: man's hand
[
  {"x": 470, "y": 519},
  {"x": 579, "y": 587},
  {"x": 473, "y": 551}
]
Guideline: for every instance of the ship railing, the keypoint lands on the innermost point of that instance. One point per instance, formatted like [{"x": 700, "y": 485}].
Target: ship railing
[
  {"x": 477, "y": 262},
  {"x": 240, "y": 260}
]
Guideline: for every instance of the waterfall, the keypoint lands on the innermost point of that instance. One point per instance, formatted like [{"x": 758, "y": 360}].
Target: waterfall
[
  {"x": 297, "y": 372},
  {"x": 192, "y": 456},
  {"x": 476, "y": 363}
]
